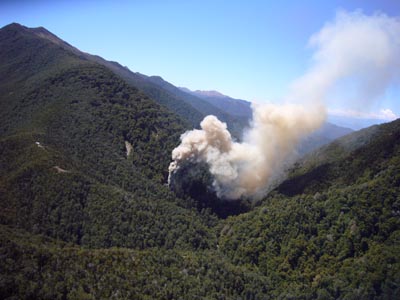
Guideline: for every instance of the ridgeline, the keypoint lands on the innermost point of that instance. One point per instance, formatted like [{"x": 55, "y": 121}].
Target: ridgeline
[{"x": 81, "y": 217}]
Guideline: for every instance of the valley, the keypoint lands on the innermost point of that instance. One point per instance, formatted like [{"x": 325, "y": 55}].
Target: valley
[{"x": 82, "y": 219}]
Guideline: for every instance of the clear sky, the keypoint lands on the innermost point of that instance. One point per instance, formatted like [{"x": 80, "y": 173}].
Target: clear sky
[{"x": 246, "y": 49}]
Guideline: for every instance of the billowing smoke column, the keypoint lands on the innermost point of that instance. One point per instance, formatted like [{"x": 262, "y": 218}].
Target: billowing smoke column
[
  {"x": 244, "y": 169},
  {"x": 355, "y": 46}
]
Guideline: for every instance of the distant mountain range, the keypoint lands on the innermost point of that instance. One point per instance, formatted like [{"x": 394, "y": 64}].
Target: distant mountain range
[
  {"x": 354, "y": 123},
  {"x": 235, "y": 107},
  {"x": 85, "y": 212}
]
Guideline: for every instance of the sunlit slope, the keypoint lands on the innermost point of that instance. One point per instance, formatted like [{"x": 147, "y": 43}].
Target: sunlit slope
[{"x": 65, "y": 122}]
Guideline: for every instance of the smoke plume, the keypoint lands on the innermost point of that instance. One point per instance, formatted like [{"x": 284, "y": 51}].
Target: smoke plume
[
  {"x": 356, "y": 47},
  {"x": 358, "y": 51}
]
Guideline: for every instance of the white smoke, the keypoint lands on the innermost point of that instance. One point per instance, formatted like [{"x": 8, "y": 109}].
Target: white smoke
[
  {"x": 355, "y": 46},
  {"x": 363, "y": 50}
]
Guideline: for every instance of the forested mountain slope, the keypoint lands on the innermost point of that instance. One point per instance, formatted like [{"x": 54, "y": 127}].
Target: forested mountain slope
[
  {"x": 188, "y": 107},
  {"x": 64, "y": 168},
  {"x": 80, "y": 218},
  {"x": 68, "y": 186},
  {"x": 332, "y": 230}
]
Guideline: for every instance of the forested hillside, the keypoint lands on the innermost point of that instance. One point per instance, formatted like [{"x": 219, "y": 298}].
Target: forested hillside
[
  {"x": 332, "y": 230},
  {"x": 65, "y": 171},
  {"x": 85, "y": 212}
]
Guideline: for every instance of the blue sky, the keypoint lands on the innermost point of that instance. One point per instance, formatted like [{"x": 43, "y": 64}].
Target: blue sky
[{"x": 246, "y": 49}]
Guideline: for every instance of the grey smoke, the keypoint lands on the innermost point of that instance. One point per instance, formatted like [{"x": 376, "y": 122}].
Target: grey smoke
[{"x": 355, "y": 46}]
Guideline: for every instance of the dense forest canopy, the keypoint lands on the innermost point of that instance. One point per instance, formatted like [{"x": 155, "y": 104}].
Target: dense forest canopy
[{"x": 83, "y": 219}]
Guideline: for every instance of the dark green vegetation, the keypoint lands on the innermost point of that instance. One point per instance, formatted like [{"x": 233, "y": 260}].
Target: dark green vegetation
[
  {"x": 333, "y": 229},
  {"x": 81, "y": 219},
  {"x": 82, "y": 114}
]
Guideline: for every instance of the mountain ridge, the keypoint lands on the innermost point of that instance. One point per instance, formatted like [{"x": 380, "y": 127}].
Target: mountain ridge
[
  {"x": 107, "y": 226},
  {"x": 236, "y": 107},
  {"x": 236, "y": 113},
  {"x": 188, "y": 107}
]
